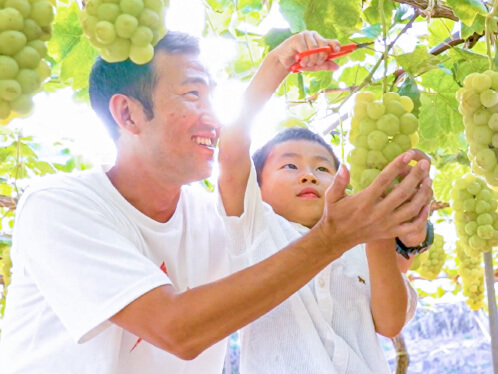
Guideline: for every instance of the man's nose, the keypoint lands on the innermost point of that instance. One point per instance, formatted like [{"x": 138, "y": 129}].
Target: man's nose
[{"x": 211, "y": 120}]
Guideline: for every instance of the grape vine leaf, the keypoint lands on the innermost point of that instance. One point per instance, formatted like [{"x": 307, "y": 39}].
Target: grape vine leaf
[
  {"x": 372, "y": 13},
  {"x": 439, "y": 117},
  {"x": 417, "y": 62},
  {"x": 219, "y": 5},
  {"x": 67, "y": 32},
  {"x": 466, "y": 62},
  {"x": 333, "y": 19},
  {"x": 293, "y": 12},
  {"x": 467, "y": 10}
]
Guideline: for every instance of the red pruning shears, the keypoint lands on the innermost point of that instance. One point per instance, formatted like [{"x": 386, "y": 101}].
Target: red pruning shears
[{"x": 345, "y": 49}]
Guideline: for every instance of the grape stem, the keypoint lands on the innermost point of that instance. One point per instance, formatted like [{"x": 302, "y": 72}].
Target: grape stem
[
  {"x": 384, "y": 39},
  {"x": 489, "y": 32}
]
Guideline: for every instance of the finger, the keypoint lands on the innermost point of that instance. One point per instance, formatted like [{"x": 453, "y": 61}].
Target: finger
[
  {"x": 417, "y": 225},
  {"x": 418, "y": 155},
  {"x": 336, "y": 46},
  {"x": 327, "y": 65},
  {"x": 337, "y": 189},
  {"x": 411, "y": 210},
  {"x": 389, "y": 174},
  {"x": 405, "y": 189},
  {"x": 311, "y": 43},
  {"x": 322, "y": 42}
]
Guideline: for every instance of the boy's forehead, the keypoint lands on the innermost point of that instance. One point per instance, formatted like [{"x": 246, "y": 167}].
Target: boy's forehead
[{"x": 299, "y": 147}]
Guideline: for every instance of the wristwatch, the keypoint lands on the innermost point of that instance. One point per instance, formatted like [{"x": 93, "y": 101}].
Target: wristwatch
[{"x": 407, "y": 251}]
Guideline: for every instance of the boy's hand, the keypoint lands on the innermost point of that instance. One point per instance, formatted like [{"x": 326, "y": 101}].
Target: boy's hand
[
  {"x": 369, "y": 215},
  {"x": 306, "y": 40},
  {"x": 416, "y": 237}
]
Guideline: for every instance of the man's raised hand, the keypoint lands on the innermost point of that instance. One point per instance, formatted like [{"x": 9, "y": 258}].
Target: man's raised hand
[
  {"x": 371, "y": 214},
  {"x": 305, "y": 41}
]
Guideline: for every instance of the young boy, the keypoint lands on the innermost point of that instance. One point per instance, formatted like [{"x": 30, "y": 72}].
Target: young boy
[{"x": 330, "y": 325}]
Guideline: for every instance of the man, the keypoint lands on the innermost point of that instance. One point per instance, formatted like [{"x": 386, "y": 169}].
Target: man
[{"x": 129, "y": 263}]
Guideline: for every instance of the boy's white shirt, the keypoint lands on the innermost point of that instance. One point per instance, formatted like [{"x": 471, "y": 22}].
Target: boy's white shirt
[{"x": 325, "y": 327}]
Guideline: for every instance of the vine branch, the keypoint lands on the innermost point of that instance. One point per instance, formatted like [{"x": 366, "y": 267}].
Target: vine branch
[{"x": 438, "y": 11}]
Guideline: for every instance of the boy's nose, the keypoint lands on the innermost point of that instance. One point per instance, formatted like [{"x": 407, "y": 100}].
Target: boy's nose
[{"x": 308, "y": 177}]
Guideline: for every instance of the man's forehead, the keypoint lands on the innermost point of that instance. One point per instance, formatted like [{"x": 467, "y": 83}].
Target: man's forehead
[{"x": 191, "y": 68}]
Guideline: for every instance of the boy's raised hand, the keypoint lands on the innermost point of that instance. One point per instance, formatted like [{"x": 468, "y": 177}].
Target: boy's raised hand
[
  {"x": 370, "y": 215},
  {"x": 304, "y": 41}
]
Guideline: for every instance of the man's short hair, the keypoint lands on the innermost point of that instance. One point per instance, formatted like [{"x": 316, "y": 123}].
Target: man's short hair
[
  {"x": 294, "y": 133},
  {"x": 133, "y": 80}
]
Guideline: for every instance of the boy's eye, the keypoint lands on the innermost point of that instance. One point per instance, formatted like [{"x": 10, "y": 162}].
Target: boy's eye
[
  {"x": 322, "y": 168},
  {"x": 289, "y": 166},
  {"x": 194, "y": 93}
]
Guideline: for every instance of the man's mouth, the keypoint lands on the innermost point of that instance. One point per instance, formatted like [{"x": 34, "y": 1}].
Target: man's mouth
[{"x": 208, "y": 142}]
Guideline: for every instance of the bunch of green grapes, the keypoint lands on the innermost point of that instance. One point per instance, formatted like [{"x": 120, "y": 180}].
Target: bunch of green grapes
[
  {"x": 430, "y": 268},
  {"x": 122, "y": 29},
  {"x": 470, "y": 270},
  {"x": 476, "y": 219},
  {"x": 5, "y": 266},
  {"x": 380, "y": 131},
  {"x": 419, "y": 260},
  {"x": 25, "y": 26},
  {"x": 478, "y": 103}
]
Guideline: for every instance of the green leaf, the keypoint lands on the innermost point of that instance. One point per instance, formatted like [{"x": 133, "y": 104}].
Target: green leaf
[
  {"x": 354, "y": 75},
  {"x": 440, "y": 30},
  {"x": 418, "y": 61},
  {"x": 372, "y": 13},
  {"x": 248, "y": 6},
  {"x": 276, "y": 36},
  {"x": 438, "y": 117},
  {"x": 409, "y": 88},
  {"x": 77, "y": 64},
  {"x": 219, "y": 5},
  {"x": 367, "y": 34},
  {"x": 466, "y": 10},
  {"x": 444, "y": 178},
  {"x": 466, "y": 62},
  {"x": 293, "y": 12},
  {"x": 318, "y": 81},
  {"x": 333, "y": 19},
  {"x": 66, "y": 33}
]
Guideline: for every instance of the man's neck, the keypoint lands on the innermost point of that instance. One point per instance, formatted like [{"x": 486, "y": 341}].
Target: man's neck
[{"x": 152, "y": 196}]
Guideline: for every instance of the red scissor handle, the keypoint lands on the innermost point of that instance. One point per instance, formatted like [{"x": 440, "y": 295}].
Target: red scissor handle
[{"x": 345, "y": 49}]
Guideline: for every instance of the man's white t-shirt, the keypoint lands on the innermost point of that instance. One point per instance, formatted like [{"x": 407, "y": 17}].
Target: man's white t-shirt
[
  {"x": 326, "y": 327},
  {"x": 81, "y": 253}
]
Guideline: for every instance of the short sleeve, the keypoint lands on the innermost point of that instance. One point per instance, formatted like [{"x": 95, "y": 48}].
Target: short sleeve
[{"x": 84, "y": 267}]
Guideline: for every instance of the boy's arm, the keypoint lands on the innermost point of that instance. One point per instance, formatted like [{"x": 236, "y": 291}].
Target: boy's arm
[
  {"x": 235, "y": 140},
  {"x": 389, "y": 300}
]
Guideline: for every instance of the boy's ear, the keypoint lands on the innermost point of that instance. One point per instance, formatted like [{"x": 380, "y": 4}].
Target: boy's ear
[{"x": 127, "y": 112}]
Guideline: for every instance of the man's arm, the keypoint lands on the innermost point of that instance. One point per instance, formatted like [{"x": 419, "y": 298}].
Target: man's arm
[
  {"x": 187, "y": 323},
  {"x": 235, "y": 141}
]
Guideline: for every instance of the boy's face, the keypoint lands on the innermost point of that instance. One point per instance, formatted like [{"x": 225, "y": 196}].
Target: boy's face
[{"x": 294, "y": 180}]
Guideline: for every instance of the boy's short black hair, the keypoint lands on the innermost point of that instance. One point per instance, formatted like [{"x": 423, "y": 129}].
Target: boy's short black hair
[
  {"x": 294, "y": 133},
  {"x": 132, "y": 80}
]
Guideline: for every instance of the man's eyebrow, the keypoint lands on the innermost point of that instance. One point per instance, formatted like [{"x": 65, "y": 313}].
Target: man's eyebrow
[{"x": 199, "y": 80}]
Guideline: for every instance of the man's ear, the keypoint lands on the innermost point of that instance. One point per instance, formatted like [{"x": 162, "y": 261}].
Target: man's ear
[{"x": 127, "y": 113}]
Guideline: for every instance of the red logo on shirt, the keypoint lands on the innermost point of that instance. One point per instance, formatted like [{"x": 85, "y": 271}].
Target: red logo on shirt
[{"x": 163, "y": 268}]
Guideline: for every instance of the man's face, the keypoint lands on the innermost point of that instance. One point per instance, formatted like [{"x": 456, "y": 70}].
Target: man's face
[
  {"x": 294, "y": 180},
  {"x": 181, "y": 138}
]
